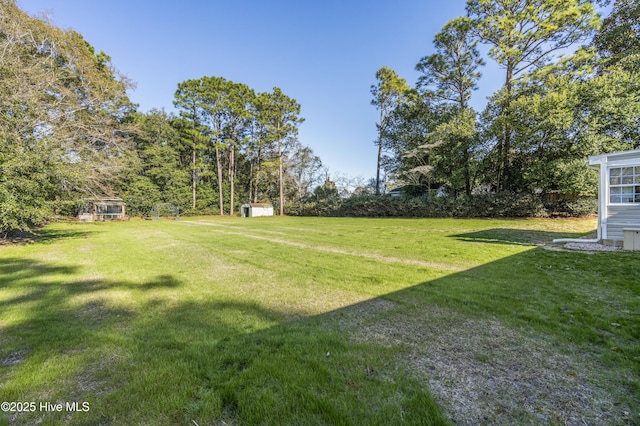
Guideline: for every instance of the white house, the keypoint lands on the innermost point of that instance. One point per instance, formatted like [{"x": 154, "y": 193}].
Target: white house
[
  {"x": 256, "y": 210},
  {"x": 618, "y": 194}
]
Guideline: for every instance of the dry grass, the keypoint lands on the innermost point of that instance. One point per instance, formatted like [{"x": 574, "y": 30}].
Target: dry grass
[{"x": 485, "y": 373}]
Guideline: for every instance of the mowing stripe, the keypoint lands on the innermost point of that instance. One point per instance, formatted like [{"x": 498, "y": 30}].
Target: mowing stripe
[{"x": 325, "y": 249}]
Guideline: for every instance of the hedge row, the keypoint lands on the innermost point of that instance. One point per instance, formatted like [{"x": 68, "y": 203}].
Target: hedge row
[{"x": 504, "y": 204}]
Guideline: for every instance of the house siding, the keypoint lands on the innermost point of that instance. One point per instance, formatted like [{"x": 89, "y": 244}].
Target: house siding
[
  {"x": 624, "y": 156},
  {"x": 620, "y": 217}
]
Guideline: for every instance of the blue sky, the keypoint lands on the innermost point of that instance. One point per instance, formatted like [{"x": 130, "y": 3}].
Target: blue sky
[{"x": 323, "y": 53}]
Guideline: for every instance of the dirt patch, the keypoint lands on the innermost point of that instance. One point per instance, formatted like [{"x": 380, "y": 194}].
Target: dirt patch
[{"x": 482, "y": 372}]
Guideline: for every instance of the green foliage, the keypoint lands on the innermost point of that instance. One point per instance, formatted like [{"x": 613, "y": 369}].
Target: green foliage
[
  {"x": 536, "y": 132},
  {"x": 503, "y": 204},
  {"x": 453, "y": 70},
  {"x": 141, "y": 196},
  {"x": 63, "y": 120},
  {"x": 236, "y": 138},
  {"x": 279, "y": 116},
  {"x": 619, "y": 35},
  {"x": 523, "y": 36},
  {"x": 581, "y": 206},
  {"x": 388, "y": 93}
]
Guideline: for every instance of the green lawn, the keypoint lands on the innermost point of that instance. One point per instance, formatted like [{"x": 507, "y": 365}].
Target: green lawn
[{"x": 318, "y": 321}]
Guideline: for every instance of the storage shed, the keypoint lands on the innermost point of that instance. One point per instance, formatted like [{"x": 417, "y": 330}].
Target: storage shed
[
  {"x": 618, "y": 194},
  {"x": 256, "y": 210},
  {"x": 101, "y": 209}
]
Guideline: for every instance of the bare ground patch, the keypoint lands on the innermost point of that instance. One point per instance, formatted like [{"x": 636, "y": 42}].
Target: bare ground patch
[{"x": 482, "y": 372}]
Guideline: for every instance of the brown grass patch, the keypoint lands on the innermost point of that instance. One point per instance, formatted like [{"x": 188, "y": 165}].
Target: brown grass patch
[{"x": 482, "y": 372}]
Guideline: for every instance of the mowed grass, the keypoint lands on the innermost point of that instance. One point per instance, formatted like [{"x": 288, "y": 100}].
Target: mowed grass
[{"x": 257, "y": 321}]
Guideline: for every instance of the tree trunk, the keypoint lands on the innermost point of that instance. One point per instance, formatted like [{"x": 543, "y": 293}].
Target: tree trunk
[
  {"x": 257, "y": 175},
  {"x": 506, "y": 146},
  {"x": 219, "y": 170},
  {"x": 193, "y": 177},
  {"x": 232, "y": 177},
  {"x": 379, "y": 156},
  {"x": 467, "y": 171},
  {"x": 281, "y": 183},
  {"x": 251, "y": 180}
]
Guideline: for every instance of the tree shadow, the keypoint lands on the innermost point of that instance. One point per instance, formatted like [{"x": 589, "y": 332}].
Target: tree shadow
[
  {"x": 14, "y": 269},
  {"x": 115, "y": 344},
  {"x": 146, "y": 353},
  {"x": 540, "y": 336},
  {"x": 42, "y": 236},
  {"x": 516, "y": 236}
]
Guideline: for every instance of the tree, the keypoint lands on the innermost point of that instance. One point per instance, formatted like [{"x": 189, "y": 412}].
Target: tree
[
  {"x": 619, "y": 35},
  {"x": 237, "y": 121},
  {"x": 407, "y": 137},
  {"x": 162, "y": 172},
  {"x": 303, "y": 167},
  {"x": 215, "y": 96},
  {"x": 387, "y": 94},
  {"x": 524, "y": 35},
  {"x": 453, "y": 74},
  {"x": 453, "y": 70},
  {"x": 565, "y": 112},
  {"x": 189, "y": 101},
  {"x": 64, "y": 120},
  {"x": 279, "y": 115}
]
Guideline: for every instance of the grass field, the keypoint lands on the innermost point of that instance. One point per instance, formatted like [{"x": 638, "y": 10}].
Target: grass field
[{"x": 212, "y": 321}]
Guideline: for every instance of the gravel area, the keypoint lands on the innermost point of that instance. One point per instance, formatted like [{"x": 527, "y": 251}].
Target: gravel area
[{"x": 591, "y": 247}]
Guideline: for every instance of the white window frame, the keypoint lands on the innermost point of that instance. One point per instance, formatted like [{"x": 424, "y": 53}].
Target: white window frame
[{"x": 626, "y": 188}]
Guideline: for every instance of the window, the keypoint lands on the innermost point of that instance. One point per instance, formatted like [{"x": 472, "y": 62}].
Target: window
[{"x": 624, "y": 185}]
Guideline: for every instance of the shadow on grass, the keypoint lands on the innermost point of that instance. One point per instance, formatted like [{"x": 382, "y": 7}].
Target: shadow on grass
[
  {"x": 42, "y": 236},
  {"x": 141, "y": 353},
  {"x": 516, "y": 236},
  {"x": 138, "y": 352}
]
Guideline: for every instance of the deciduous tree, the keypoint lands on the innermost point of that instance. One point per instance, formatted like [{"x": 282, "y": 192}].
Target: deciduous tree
[{"x": 63, "y": 119}]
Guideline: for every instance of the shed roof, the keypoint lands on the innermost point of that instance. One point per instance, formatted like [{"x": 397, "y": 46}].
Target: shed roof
[{"x": 112, "y": 200}]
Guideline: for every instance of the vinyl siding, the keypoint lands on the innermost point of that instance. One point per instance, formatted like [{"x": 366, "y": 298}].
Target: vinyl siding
[
  {"x": 620, "y": 217},
  {"x": 623, "y": 156}
]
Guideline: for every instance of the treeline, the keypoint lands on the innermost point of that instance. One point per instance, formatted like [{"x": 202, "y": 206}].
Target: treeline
[
  {"x": 538, "y": 129},
  {"x": 68, "y": 131},
  {"x": 228, "y": 145}
]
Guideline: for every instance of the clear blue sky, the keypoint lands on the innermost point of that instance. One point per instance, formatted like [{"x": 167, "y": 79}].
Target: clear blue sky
[{"x": 322, "y": 53}]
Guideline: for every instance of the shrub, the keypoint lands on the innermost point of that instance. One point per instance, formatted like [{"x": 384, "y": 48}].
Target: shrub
[
  {"x": 503, "y": 204},
  {"x": 581, "y": 206}
]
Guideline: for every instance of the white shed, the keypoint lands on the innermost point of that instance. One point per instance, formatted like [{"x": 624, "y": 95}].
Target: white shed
[
  {"x": 256, "y": 210},
  {"x": 618, "y": 193}
]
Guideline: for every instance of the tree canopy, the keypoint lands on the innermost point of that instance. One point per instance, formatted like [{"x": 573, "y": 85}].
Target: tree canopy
[
  {"x": 551, "y": 114},
  {"x": 68, "y": 131},
  {"x": 63, "y": 120}
]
